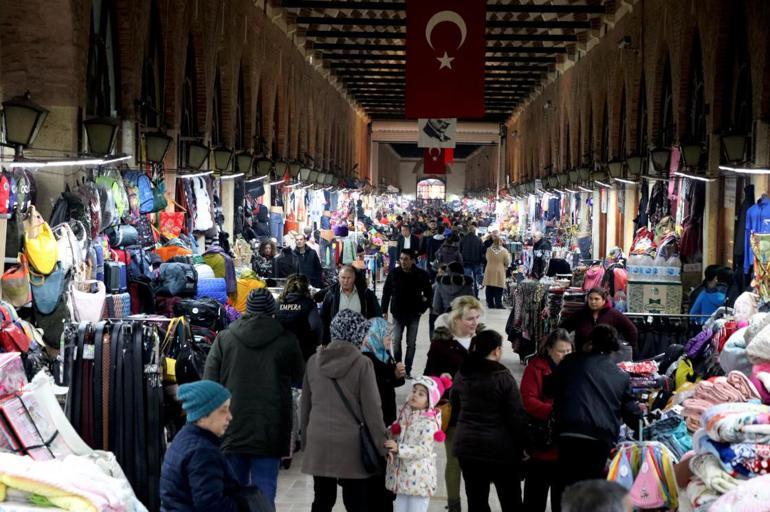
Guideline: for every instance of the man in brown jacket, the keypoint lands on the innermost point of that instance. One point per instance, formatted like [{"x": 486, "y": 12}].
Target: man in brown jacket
[{"x": 331, "y": 437}]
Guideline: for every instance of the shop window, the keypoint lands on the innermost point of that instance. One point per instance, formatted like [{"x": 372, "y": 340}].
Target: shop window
[
  {"x": 238, "y": 137},
  {"x": 666, "y": 134},
  {"x": 605, "y": 142},
  {"x": 188, "y": 128},
  {"x": 642, "y": 119},
  {"x": 696, "y": 119},
  {"x": 430, "y": 190},
  {"x": 622, "y": 126},
  {"x": 216, "y": 112},
  {"x": 151, "y": 105},
  {"x": 102, "y": 69}
]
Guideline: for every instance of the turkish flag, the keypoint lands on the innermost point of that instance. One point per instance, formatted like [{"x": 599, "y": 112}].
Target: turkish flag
[
  {"x": 435, "y": 161},
  {"x": 445, "y": 45}
]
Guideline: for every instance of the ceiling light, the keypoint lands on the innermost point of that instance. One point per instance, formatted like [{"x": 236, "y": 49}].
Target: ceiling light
[
  {"x": 194, "y": 175},
  {"x": 694, "y": 176},
  {"x": 584, "y": 189},
  {"x": 71, "y": 162},
  {"x": 627, "y": 182},
  {"x": 745, "y": 170},
  {"x": 258, "y": 178}
]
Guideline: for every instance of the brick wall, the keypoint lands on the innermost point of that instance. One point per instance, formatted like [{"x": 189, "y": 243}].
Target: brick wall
[{"x": 44, "y": 48}]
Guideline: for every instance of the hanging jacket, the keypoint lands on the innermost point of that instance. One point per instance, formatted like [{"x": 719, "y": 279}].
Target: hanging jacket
[
  {"x": 755, "y": 223},
  {"x": 223, "y": 266}
]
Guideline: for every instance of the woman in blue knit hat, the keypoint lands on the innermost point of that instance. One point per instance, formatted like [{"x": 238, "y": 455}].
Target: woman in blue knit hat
[{"x": 195, "y": 474}]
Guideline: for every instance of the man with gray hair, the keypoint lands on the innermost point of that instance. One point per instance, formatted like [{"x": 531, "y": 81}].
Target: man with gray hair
[{"x": 596, "y": 496}]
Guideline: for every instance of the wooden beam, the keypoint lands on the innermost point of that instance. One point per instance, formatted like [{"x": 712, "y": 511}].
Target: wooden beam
[
  {"x": 401, "y": 6},
  {"x": 361, "y": 34},
  {"x": 401, "y": 22}
]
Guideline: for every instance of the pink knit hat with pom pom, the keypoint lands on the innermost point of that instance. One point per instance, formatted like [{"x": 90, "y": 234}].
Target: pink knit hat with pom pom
[{"x": 436, "y": 387}]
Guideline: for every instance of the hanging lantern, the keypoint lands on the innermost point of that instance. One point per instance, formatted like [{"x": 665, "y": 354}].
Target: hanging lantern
[
  {"x": 691, "y": 155},
  {"x": 264, "y": 166},
  {"x": 660, "y": 158},
  {"x": 734, "y": 148},
  {"x": 102, "y": 133},
  {"x": 244, "y": 161},
  {"x": 197, "y": 155},
  {"x": 615, "y": 168},
  {"x": 156, "y": 145},
  {"x": 22, "y": 119},
  {"x": 634, "y": 166},
  {"x": 222, "y": 158}
]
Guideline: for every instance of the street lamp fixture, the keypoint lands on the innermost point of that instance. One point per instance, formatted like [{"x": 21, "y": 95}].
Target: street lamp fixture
[
  {"x": 22, "y": 119},
  {"x": 197, "y": 155},
  {"x": 156, "y": 146},
  {"x": 102, "y": 133},
  {"x": 222, "y": 158}
]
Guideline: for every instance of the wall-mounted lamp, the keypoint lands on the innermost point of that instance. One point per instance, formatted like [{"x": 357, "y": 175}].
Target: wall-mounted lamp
[
  {"x": 156, "y": 145},
  {"x": 197, "y": 155},
  {"x": 22, "y": 119},
  {"x": 222, "y": 158},
  {"x": 102, "y": 134}
]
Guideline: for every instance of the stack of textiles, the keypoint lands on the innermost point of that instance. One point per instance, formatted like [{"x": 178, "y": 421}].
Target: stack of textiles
[
  {"x": 644, "y": 376},
  {"x": 735, "y": 387},
  {"x": 732, "y": 451},
  {"x": 670, "y": 431},
  {"x": 573, "y": 300}
]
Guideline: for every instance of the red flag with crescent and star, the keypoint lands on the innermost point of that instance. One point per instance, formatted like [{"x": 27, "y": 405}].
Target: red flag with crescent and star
[
  {"x": 445, "y": 45},
  {"x": 435, "y": 160}
]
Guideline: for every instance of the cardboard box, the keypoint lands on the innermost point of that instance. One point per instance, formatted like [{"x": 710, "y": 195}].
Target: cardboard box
[{"x": 654, "y": 297}]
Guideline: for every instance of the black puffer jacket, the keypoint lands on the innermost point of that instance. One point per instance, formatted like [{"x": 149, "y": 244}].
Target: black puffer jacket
[
  {"x": 472, "y": 249},
  {"x": 287, "y": 263},
  {"x": 492, "y": 423},
  {"x": 591, "y": 397},
  {"x": 299, "y": 314}
]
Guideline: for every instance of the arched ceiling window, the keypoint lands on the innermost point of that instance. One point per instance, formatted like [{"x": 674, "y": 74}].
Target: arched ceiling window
[
  {"x": 102, "y": 71},
  {"x": 666, "y": 130},
  {"x": 239, "y": 139},
  {"x": 696, "y": 118},
  {"x": 151, "y": 103},
  {"x": 642, "y": 119},
  {"x": 216, "y": 112}
]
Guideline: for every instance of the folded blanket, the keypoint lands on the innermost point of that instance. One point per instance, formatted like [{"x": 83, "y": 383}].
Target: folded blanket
[
  {"x": 750, "y": 496},
  {"x": 737, "y": 423}
]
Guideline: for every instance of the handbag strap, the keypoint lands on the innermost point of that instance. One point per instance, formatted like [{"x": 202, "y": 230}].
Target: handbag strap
[{"x": 346, "y": 402}]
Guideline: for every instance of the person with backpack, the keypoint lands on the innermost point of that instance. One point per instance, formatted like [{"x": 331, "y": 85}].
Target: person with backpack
[{"x": 257, "y": 360}]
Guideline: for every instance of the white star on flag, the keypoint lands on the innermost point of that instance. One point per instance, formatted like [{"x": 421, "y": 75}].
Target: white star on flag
[{"x": 446, "y": 61}]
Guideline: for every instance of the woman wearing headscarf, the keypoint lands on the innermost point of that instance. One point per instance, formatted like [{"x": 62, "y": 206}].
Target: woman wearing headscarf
[
  {"x": 390, "y": 375},
  {"x": 331, "y": 435}
]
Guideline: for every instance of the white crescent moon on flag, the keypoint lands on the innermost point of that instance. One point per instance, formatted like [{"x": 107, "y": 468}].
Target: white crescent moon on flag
[{"x": 451, "y": 17}]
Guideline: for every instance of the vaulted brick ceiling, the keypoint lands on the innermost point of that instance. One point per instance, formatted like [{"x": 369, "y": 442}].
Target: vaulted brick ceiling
[{"x": 362, "y": 43}]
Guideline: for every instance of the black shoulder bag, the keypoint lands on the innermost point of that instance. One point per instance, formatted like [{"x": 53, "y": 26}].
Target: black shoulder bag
[{"x": 370, "y": 457}]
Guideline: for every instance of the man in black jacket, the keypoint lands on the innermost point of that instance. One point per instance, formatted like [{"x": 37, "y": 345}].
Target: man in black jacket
[
  {"x": 257, "y": 360},
  {"x": 411, "y": 293},
  {"x": 591, "y": 397},
  {"x": 350, "y": 292},
  {"x": 309, "y": 263},
  {"x": 472, "y": 250},
  {"x": 406, "y": 240}
]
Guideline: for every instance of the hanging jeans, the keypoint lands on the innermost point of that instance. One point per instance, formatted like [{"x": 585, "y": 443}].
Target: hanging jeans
[
  {"x": 475, "y": 272},
  {"x": 327, "y": 254},
  {"x": 411, "y": 341},
  {"x": 276, "y": 227},
  {"x": 261, "y": 472}
]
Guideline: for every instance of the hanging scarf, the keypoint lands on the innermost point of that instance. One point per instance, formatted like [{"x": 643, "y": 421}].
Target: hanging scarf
[{"x": 379, "y": 328}]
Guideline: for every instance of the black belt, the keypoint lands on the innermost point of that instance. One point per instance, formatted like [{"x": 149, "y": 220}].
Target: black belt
[
  {"x": 98, "y": 412},
  {"x": 75, "y": 397}
]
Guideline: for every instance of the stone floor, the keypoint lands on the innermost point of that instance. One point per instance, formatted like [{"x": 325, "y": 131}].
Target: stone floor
[{"x": 295, "y": 489}]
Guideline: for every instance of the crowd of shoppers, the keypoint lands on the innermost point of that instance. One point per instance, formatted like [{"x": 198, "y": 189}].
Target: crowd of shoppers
[{"x": 340, "y": 349}]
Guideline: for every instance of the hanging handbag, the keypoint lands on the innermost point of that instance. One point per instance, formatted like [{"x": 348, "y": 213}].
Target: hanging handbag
[
  {"x": 445, "y": 406},
  {"x": 87, "y": 306},
  {"x": 13, "y": 338},
  {"x": 47, "y": 290},
  {"x": 144, "y": 232},
  {"x": 122, "y": 235},
  {"x": 159, "y": 201},
  {"x": 370, "y": 457},
  {"x": 172, "y": 223},
  {"x": 541, "y": 433},
  {"x": 69, "y": 248},
  {"x": 16, "y": 289},
  {"x": 39, "y": 243}
]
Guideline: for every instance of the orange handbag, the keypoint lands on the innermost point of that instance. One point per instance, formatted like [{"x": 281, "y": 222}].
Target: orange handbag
[{"x": 169, "y": 251}]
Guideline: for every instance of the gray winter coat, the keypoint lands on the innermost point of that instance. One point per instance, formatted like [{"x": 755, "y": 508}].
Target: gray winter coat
[
  {"x": 330, "y": 434},
  {"x": 448, "y": 287}
]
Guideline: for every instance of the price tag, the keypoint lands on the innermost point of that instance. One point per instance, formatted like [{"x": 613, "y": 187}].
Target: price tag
[{"x": 88, "y": 352}]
